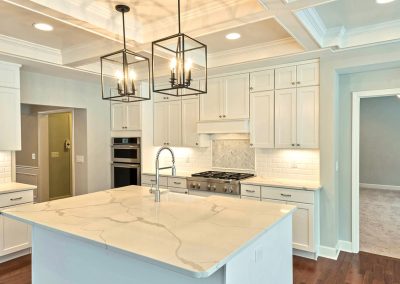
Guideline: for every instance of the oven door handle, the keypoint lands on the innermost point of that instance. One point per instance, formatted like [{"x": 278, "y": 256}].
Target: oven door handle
[
  {"x": 119, "y": 165},
  {"x": 125, "y": 147}
]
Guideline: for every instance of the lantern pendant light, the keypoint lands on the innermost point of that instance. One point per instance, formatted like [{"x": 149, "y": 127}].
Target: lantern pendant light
[
  {"x": 179, "y": 64},
  {"x": 121, "y": 70}
]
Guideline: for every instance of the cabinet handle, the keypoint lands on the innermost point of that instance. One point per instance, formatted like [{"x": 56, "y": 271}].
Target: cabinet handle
[
  {"x": 293, "y": 145},
  {"x": 251, "y": 144},
  {"x": 298, "y": 144},
  {"x": 251, "y": 191},
  {"x": 153, "y": 180},
  {"x": 251, "y": 88},
  {"x": 286, "y": 195},
  {"x": 15, "y": 198},
  {"x": 197, "y": 144},
  {"x": 175, "y": 182},
  {"x": 224, "y": 115},
  {"x": 220, "y": 116},
  {"x": 293, "y": 83},
  {"x": 298, "y": 82}
]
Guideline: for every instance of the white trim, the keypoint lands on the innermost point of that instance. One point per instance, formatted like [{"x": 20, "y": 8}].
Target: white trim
[
  {"x": 313, "y": 22},
  {"x": 329, "y": 252},
  {"x": 380, "y": 186},
  {"x": 345, "y": 246},
  {"x": 355, "y": 159}
]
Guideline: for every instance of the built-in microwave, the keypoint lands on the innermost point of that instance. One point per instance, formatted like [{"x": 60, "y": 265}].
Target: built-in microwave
[{"x": 126, "y": 150}]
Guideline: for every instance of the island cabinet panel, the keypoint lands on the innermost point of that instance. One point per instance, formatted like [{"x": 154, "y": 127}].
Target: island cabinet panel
[
  {"x": 173, "y": 184},
  {"x": 14, "y": 236}
]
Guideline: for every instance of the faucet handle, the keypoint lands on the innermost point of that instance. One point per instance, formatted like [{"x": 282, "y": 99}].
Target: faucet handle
[{"x": 173, "y": 170}]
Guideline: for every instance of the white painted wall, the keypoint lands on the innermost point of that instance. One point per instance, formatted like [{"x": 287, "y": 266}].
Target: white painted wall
[{"x": 43, "y": 89}]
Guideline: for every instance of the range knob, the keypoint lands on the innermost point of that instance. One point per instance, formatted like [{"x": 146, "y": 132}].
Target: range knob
[
  {"x": 214, "y": 187},
  {"x": 225, "y": 188},
  {"x": 209, "y": 187},
  {"x": 192, "y": 185},
  {"x": 198, "y": 186}
]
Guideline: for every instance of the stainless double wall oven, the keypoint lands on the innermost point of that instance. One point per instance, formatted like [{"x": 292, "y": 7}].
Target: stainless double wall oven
[{"x": 126, "y": 160}]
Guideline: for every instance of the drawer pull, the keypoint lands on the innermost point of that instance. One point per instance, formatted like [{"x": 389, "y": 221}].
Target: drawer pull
[
  {"x": 251, "y": 191},
  {"x": 15, "y": 198},
  {"x": 175, "y": 182},
  {"x": 286, "y": 195},
  {"x": 153, "y": 180}
]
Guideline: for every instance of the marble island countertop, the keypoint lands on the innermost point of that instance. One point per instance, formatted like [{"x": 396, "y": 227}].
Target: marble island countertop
[
  {"x": 167, "y": 173},
  {"x": 15, "y": 186},
  {"x": 189, "y": 234},
  {"x": 281, "y": 182}
]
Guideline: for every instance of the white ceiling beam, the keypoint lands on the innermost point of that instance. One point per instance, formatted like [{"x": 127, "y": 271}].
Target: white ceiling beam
[
  {"x": 290, "y": 22},
  {"x": 304, "y": 4}
]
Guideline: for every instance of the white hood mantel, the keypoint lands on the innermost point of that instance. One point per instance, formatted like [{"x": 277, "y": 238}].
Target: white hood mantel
[{"x": 223, "y": 127}]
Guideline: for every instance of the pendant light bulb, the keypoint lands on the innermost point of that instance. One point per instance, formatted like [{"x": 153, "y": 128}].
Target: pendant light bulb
[
  {"x": 132, "y": 75},
  {"x": 172, "y": 63},
  {"x": 119, "y": 75},
  {"x": 188, "y": 64}
]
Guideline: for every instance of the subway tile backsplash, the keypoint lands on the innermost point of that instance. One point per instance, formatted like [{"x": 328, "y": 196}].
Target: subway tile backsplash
[{"x": 5, "y": 167}]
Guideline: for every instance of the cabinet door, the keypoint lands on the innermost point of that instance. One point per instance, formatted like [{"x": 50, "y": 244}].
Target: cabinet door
[
  {"x": 161, "y": 123},
  {"x": 175, "y": 124},
  {"x": 14, "y": 236},
  {"x": 211, "y": 103},
  {"x": 262, "y": 81},
  {"x": 308, "y": 117},
  {"x": 285, "y": 77},
  {"x": 285, "y": 118},
  {"x": 307, "y": 75},
  {"x": 190, "y": 117},
  {"x": 262, "y": 126},
  {"x": 236, "y": 97},
  {"x": 118, "y": 117},
  {"x": 133, "y": 116},
  {"x": 10, "y": 117},
  {"x": 303, "y": 227}
]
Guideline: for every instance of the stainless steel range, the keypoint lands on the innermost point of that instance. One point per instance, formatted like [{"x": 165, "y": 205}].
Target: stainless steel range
[{"x": 213, "y": 182}]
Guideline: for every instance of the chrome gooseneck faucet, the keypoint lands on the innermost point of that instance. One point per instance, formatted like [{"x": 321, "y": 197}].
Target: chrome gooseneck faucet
[{"x": 157, "y": 193}]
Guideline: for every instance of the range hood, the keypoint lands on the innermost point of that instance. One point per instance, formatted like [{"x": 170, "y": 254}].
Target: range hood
[{"x": 223, "y": 127}]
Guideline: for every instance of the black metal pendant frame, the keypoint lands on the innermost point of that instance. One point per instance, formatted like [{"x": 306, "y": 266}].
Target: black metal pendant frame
[
  {"x": 122, "y": 93},
  {"x": 179, "y": 86}
]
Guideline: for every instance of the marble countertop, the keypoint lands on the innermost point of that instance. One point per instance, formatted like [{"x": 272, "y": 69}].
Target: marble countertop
[
  {"x": 188, "y": 234},
  {"x": 15, "y": 186},
  {"x": 280, "y": 182},
  {"x": 167, "y": 173}
]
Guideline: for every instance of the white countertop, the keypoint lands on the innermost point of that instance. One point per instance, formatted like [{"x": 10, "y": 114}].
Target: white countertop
[
  {"x": 168, "y": 173},
  {"x": 188, "y": 234},
  {"x": 15, "y": 186},
  {"x": 280, "y": 182}
]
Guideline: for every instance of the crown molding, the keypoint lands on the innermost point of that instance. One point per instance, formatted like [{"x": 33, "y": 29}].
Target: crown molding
[
  {"x": 313, "y": 23},
  {"x": 26, "y": 49}
]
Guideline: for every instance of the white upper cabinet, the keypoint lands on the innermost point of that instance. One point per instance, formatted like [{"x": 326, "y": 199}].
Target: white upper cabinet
[
  {"x": 161, "y": 123},
  {"x": 175, "y": 124},
  {"x": 308, "y": 117},
  {"x": 301, "y": 75},
  {"x": 285, "y": 118},
  {"x": 10, "y": 107},
  {"x": 262, "y": 109},
  {"x": 307, "y": 75},
  {"x": 125, "y": 116},
  {"x": 211, "y": 107},
  {"x": 236, "y": 98},
  {"x": 133, "y": 116},
  {"x": 190, "y": 117},
  {"x": 168, "y": 124},
  {"x": 262, "y": 81},
  {"x": 285, "y": 77},
  {"x": 226, "y": 98}
]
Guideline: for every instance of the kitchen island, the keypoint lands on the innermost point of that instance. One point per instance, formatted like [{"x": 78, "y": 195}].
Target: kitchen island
[{"x": 122, "y": 236}]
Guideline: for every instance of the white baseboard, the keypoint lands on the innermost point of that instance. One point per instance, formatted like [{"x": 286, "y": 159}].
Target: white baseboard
[
  {"x": 379, "y": 186},
  {"x": 17, "y": 254},
  {"x": 305, "y": 254},
  {"x": 345, "y": 246},
  {"x": 329, "y": 252}
]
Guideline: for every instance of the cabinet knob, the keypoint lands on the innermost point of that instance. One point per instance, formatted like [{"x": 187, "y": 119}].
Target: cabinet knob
[
  {"x": 224, "y": 115},
  {"x": 251, "y": 144},
  {"x": 251, "y": 88},
  {"x": 293, "y": 145},
  {"x": 220, "y": 116},
  {"x": 298, "y": 82},
  {"x": 293, "y": 83},
  {"x": 298, "y": 144},
  {"x": 197, "y": 144}
]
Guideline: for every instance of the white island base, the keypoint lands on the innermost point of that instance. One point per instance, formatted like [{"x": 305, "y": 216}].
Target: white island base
[{"x": 62, "y": 259}]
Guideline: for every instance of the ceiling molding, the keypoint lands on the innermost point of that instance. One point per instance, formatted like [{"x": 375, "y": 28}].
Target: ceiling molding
[
  {"x": 313, "y": 22},
  {"x": 296, "y": 5},
  {"x": 26, "y": 49},
  {"x": 255, "y": 52}
]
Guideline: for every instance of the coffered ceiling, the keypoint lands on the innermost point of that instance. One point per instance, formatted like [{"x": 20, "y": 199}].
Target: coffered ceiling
[{"x": 86, "y": 29}]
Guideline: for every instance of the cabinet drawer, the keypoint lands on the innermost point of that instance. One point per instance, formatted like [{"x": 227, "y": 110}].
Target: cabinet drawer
[
  {"x": 15, "y": 198},
  {"x": 151, "y": 180},
  {"x": 250, "y": 190},
  {"x": 250, "y": 198},
  {"x": 286, "y": 194},
  {"x": 177, "y": 182},
  {"x": 178, "y": 190}
]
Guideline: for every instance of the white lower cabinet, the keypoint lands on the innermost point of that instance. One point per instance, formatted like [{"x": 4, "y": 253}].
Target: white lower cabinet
[
  {"x": 173, "y": 184},
  {"x": 15, "y": 236},
  {"x": 305, "y": 218}
]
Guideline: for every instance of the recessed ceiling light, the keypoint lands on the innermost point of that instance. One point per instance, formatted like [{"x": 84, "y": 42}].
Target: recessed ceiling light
[
  {"x": 232, "y": 36},
  {"x": 383, "y": 1},
  {"x": 43, "y": 27}
]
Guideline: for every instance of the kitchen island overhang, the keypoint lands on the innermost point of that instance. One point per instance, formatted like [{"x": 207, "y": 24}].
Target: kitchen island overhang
[{"x": 121, "y": 235}]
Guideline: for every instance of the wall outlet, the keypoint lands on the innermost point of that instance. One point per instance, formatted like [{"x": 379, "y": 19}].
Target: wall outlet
[{"x": 33, "y": 156}]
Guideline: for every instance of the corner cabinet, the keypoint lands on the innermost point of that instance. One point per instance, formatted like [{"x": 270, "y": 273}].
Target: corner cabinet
[
  {"x": 227, "y": 98},
  {"x": 10, "y": 107}
]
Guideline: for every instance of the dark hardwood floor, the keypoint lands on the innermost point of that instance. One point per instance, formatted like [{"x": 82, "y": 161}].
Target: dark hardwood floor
[{"x": 362, "y": 268}]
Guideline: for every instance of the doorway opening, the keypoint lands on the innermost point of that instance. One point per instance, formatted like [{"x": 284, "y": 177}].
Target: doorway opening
[{"x": 375, "y": 178}]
